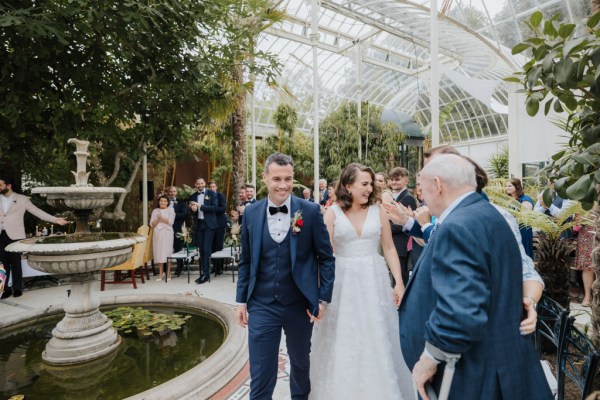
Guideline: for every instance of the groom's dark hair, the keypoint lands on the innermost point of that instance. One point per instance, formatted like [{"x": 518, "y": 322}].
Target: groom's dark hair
[{"x": 279, "y": 159}]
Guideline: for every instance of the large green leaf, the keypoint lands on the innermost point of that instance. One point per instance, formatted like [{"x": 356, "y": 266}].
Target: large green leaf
[
  {"x": 532, "y": 106},
  {"x": 580, "y": 189},
  {"x": 593, "y": 21},
  {"x": 521, "y": 47},
  {"x": 574, "y": 45},
  {"x": 550, "y": 29},
  {"x": 566, "y": 30},
  {"x": 563, "y": 71},
  {"x": 536, "y": 19}
]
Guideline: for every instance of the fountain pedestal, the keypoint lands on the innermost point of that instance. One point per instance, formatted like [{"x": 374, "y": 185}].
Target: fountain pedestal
[{"x": 84, "y": 333}]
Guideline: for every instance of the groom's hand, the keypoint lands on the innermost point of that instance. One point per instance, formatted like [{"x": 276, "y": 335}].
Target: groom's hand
[
  {"x": 322, "y": 310},
  {"x": 423, "y": 372},
  {"x": 241, "y": 315}
]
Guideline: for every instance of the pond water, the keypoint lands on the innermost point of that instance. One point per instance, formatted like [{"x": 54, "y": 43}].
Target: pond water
[
  {"x": 138, "y": 365},
  {"x": 85, "y": 237}
]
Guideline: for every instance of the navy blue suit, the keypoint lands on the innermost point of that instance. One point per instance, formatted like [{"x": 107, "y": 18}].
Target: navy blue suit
[
  {"x": 205, "y": 228},
  {"x": 279, "y": 282},
  {"x": 220, "y": 231},
  {"x": 181, "y": 209},
  {"x": 465, "y": 297}
]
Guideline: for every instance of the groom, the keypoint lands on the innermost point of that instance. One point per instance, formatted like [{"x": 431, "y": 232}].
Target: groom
[
  {"x": 286, "y": 274},
  {"x": 464, "y": 298}
]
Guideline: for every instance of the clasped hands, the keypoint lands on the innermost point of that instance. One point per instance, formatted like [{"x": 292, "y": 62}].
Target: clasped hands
[{"x": 399, "y": 214}]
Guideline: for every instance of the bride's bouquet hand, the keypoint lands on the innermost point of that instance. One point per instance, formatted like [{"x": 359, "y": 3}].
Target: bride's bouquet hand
[{"x": 398, "y": 293}]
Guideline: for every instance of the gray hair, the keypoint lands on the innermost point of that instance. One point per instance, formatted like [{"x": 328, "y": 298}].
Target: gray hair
[
  {"x": 453, "y": 170},
  {"x": 323, "y": 181},
  {"x": 279, "y": 159}
]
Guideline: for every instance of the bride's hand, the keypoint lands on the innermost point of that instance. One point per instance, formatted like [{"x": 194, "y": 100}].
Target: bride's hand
[{"x": 398, "y": 293}]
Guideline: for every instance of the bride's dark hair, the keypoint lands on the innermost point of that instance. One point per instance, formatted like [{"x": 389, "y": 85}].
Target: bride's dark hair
[{"x": 348, "y": 177}]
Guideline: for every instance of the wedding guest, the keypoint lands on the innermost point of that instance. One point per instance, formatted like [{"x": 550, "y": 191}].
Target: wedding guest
[
  {"x": 250, "y": 194},
  {"x": 381, "y": 181},
  {"x": 514, "y": 188},
  {"x": 235, "y": 214},
  {"x": 221, "y": 226},
  {"x": 204, "y": 204},
  {"x": 401, "y": 195},
  {"x": 583, "y": 259},
  {"x": 12, "y": 210},
  {"x": 306, "y": 195},
  {"x": 363, "y": 301},
  {"x": 464, "y": 300},
  {"x": 161, "y": 221},
  {"x": 181, "y": 212},
  {"x": 323, "y": 193}
]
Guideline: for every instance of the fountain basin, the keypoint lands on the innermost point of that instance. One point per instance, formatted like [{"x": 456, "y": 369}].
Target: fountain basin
[
  {"x": 78, "y": 197},
  {"x": 202, "y": 381},
  {"x": 68, "y": 254}
]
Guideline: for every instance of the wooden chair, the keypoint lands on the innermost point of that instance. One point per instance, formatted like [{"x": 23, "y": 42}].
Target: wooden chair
[
  {"x": 149, "y": 255},
  {"x": 134, "y": 262},
  {"x": 578, "y": 361}
]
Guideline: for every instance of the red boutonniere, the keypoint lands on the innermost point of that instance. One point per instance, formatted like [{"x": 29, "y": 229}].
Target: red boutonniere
[{"x": 297, "y": 222}]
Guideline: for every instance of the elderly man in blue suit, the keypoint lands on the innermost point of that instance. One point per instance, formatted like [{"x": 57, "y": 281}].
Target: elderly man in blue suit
[
  {"x": 286, "y": 274},
  {"x": 464, "y": 298}
]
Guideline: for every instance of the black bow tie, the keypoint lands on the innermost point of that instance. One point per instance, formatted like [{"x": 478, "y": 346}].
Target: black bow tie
[{"x": 275, "y": 210}]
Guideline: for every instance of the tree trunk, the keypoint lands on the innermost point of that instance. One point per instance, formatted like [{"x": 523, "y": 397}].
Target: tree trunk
[
  {"x": 595, "y": 6},
  {"x": 238, "y": 139}
]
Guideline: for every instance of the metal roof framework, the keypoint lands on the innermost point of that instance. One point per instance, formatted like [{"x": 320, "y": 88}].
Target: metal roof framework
[{"x": 378, "y": 51}]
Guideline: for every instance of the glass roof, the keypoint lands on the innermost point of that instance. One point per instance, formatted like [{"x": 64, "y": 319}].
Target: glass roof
[{"x": 391, "y": 40}]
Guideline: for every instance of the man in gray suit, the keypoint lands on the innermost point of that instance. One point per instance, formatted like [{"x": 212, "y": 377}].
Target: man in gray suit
[{"x": 12, "y": 209}]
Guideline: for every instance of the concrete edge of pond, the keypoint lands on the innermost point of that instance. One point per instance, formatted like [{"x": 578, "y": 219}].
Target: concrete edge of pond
[{"x": 201, "y": 382}]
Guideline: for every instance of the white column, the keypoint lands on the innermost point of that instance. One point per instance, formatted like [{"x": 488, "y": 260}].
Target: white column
[
  {"x": 314, "y": 37},
  {"x": 359, "y": 95},
  {"x": 145, "y": 187},
  {"x": 434, "y": 95},
  {"x": 253, "y": 130},
  {"x": 514, "y": 142}
]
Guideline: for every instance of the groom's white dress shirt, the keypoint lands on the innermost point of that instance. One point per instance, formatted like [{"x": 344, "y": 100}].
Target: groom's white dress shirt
[{"x": 279, "y": 223}]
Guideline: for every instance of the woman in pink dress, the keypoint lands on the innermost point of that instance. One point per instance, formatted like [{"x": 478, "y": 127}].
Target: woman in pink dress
[{"x": 161, "y": 221}]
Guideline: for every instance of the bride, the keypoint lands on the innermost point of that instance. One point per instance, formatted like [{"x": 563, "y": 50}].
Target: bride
[{"x": 356, "y": 348}]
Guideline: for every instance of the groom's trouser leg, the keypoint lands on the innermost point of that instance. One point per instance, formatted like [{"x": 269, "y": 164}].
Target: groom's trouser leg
[
  {"x": 298, "y": 332},
  {"x": 264, "y": 336}
]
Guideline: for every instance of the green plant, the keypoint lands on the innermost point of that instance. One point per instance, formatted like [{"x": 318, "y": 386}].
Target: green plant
[
  {"x": 144, "y": 322},
  {"x": 499, "y": 164},
  {"x": 564, "y": 71}
]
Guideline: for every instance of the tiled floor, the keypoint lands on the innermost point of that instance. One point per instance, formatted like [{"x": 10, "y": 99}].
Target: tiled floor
[{"x": 220, "y": 288}]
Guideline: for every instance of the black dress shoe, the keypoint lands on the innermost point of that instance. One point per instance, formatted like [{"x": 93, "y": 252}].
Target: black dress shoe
[
  {"x": 7, "y": 293},
  {"x": 202, "y": 280},
  {"x": 17, "y": 293}
]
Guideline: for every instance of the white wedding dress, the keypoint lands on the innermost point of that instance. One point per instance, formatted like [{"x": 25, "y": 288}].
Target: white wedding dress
[{"x": 355, "y": 351}]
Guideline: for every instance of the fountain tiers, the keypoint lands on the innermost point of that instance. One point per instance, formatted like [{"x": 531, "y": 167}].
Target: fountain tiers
[{"x": 85, "y": 333}]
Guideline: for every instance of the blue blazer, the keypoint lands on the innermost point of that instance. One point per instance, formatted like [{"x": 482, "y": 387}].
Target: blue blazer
[
  {"x": 181, "y": 212},
  {"x": 209, "y": 208},
  {"x": 220, "y": 210},
  {"x": 310, "y": 248},
  {"x": 465, "y": 296}
]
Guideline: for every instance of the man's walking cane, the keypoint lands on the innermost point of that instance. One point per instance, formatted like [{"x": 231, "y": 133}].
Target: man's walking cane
[{"x": 446, "y": 379}]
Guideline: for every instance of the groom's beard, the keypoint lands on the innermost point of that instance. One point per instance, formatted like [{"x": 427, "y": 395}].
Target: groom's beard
[{"x": 4, "y": 191}]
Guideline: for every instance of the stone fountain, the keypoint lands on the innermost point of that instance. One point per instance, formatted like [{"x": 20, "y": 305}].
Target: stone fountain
[{"x": 84, "y": 334}]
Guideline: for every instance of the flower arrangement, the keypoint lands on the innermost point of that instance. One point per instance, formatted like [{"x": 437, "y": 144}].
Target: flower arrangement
[
  {"x": 297, "y": 222},
  {"x": 185, "y": 235},
  {"x": 233, "y": 239}
]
